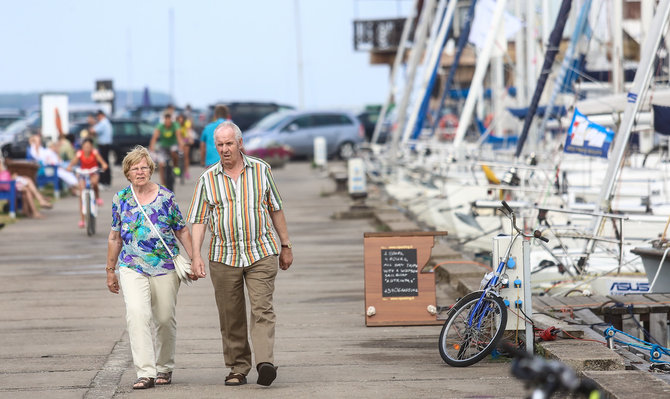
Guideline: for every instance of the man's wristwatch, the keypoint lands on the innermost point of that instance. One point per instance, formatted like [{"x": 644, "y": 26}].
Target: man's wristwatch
[{"x": 288, "y": 245}]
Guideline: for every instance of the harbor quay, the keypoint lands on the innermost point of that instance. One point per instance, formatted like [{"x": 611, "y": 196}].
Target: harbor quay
[{"x": 64, "y": 334}]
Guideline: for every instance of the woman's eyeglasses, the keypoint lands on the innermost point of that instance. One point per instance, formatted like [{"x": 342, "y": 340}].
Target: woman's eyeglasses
[{"x": 144, "y": 169}]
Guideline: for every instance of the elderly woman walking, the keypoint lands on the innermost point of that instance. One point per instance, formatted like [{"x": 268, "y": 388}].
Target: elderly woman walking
[{"x": 146, "y": 270}]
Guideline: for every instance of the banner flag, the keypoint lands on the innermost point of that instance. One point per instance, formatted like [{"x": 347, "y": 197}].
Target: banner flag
[{"x": 587, "y": 138}]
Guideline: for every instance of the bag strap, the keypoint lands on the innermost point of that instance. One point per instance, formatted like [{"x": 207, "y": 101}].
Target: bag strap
[{"x": 153, "y": 228}]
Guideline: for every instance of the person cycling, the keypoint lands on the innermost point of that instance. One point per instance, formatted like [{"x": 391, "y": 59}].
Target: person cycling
[
  {"x": 186, "y": 135},
  {"x": 169, "y": 142},
  {"x": 88, "y": 158}
]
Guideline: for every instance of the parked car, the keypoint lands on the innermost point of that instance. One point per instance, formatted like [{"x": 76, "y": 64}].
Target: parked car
[
  {"x": 8, "y": 116},
  {"x": 153, "y": 115},
  {"x": 14, "y": 139},
  {"x": 297, "y": 129},
  {"x": 127, "y": 134},
  {"x": 245, "y": 114}
]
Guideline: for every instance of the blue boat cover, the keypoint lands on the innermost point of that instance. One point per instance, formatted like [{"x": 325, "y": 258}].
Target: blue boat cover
[{"x": 662, "y": 119}]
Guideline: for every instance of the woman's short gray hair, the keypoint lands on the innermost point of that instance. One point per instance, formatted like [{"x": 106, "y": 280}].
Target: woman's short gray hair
[
  {"x": 135, "y": 156},
  {"x": 229, "y": 125}
]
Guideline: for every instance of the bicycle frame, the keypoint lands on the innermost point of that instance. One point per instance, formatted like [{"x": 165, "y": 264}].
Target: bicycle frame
[
  {"x": 88, "y": 200},
  {"x": 491, "y": 284}
]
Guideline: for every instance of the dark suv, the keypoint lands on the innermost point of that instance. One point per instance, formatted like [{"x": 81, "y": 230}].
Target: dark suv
[{"x": 245, "y": 114}]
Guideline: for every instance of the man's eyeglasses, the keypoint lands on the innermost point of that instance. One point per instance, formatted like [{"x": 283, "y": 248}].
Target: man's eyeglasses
[{"x": 144, "y": 169}]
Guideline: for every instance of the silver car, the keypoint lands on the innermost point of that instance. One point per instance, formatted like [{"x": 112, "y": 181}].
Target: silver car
[{"x": 297, "y": 129}]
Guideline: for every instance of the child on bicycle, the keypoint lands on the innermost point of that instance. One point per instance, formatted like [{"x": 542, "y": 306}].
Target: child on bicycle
[{"x": 88, "y": 158}]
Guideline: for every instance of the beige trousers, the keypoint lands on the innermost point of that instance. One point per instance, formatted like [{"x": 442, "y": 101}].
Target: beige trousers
[
  {"x": 229, "y": 283},
  {"x": 150, "y": 312}
]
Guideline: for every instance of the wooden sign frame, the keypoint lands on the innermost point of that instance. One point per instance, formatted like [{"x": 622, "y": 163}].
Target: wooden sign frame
[{"x": 391, "y": 308}]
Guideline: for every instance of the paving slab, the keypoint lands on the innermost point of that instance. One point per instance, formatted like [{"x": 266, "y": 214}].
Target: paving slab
[
  {"x": 584, "y": 355},
  {"x": 629, "y": 384}
]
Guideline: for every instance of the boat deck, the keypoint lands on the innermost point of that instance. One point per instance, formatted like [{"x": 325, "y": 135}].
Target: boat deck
[{"x": 611, "y": 308}]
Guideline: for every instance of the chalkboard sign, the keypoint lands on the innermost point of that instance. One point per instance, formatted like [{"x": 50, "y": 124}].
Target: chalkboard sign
[{"x": 399, "y": 273}]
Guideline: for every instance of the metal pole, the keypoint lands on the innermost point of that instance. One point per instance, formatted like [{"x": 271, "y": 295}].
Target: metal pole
[
  {"x": 527, "y": 300},
  {"x": 298, "y": 45},
  {"x": 635, "y": 99},
  {"x": 171, "y": 53}
]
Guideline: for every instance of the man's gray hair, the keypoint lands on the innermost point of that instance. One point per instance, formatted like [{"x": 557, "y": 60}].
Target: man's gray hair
[{"x": 229, "y": 125}]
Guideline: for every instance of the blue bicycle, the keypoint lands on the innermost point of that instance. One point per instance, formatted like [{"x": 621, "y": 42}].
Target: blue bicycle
[{"x": 476, "y": 323}]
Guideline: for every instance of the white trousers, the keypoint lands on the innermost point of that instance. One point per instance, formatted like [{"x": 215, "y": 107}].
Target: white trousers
[{"x": 150, "y": 314}]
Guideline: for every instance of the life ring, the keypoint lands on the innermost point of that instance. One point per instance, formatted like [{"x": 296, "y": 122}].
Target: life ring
[{"x": 448, "y": 121}]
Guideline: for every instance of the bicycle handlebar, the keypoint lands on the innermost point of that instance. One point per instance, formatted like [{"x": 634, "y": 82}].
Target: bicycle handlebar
[
  {"x": 87, "y": 172},
  {"x": 510, "y": 213},
  {"x": 538, "y": 234},
  {"x": 509, "y": 209}
]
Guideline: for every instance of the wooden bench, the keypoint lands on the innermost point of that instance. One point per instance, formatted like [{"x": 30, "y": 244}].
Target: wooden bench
[
  {"x": 9, "y": 195},
  {"x": 23, "y": 167}
]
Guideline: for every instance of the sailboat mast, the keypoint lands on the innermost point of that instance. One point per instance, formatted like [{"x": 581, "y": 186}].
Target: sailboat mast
[
  {"x": 483, "y": 59},
  {"x": 397, "y": 63},
  {"x": 550, "y": 55},
  {"x": 635, "y": 99}
]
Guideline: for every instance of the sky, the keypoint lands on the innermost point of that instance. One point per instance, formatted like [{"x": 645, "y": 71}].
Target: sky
[{"x": 224, "y": 50}]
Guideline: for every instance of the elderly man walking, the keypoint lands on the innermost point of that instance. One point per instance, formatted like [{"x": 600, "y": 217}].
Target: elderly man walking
[{"x": 239, "y": 200}]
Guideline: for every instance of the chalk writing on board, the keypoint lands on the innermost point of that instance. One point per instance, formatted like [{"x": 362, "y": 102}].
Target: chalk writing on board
[{"x": 399, "y": 273}]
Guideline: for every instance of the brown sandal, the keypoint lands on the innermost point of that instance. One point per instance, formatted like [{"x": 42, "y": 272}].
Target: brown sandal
[
  {"x": 167, "y": 377},
  {"x": 144, "y": 383},
  {"x": 239, "y": 379}
]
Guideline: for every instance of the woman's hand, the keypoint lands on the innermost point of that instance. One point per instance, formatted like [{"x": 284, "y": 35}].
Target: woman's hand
[{"x": 112, "y": 282}]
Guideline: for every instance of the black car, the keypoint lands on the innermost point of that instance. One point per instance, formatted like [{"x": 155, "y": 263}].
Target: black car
[
  {"x": 246, "y": 114},
  {"x": 127, "y": 134}
]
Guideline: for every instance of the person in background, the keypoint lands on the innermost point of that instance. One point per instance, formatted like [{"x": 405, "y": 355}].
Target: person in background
[
  {"x": 185, "y": 133},
  {"x": 66, "y": 147},
  {"x": 167, "y": 139},
  {"x": 49, "y": 157},
  {"x": 147, "y": 273},
  {"x": 103, "y": 132},
  {"x": 208, "y": 152},
  {"x": 238, "y": 199},
  {"x": 88, "y": 158},
  {"x": 28, "y": 191}
]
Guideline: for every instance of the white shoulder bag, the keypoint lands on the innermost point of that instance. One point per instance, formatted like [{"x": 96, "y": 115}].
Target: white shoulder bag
[{"x": 181, "y": 264}]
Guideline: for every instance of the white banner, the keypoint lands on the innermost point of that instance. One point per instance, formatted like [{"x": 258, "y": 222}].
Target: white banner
[{"x": 55, "y": 120}]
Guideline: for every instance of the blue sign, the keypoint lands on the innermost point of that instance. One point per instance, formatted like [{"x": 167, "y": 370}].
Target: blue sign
[{"x": 588, "y": 138}]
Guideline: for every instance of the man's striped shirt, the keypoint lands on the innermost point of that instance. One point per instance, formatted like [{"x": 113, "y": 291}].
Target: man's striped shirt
[{"x": 238, "y": 212}]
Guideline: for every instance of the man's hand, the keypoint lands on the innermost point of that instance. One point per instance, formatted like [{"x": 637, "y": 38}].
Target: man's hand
[
  {"x": 285, "y": 258},
  {"x": 198, "y": 268}
]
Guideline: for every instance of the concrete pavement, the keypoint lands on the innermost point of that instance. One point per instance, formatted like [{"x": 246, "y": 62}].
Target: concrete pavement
[{"x": 63, "y": 334}]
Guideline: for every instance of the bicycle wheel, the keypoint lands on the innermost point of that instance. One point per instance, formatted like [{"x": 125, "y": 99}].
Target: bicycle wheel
[
  {"x": 472, "y": 329},
  {"x": 181, "y": 167},
  {"x": 88, "y": 213},
  {"x": 169, "y": 176}
]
